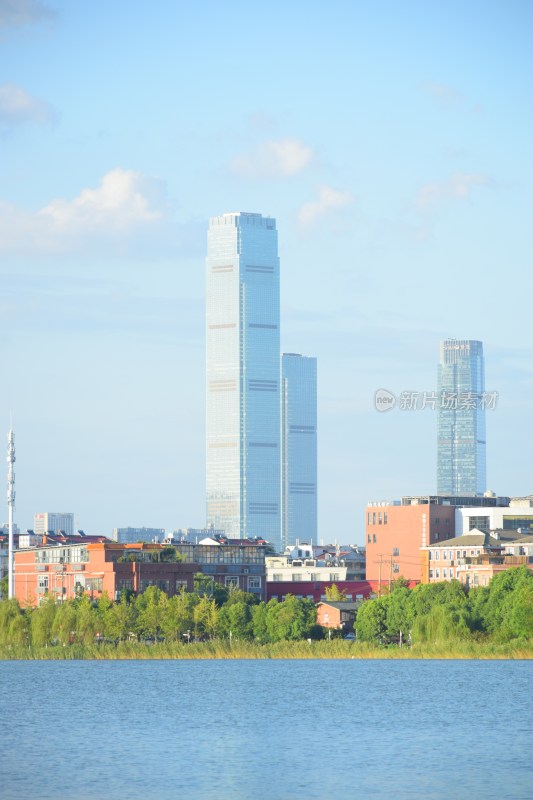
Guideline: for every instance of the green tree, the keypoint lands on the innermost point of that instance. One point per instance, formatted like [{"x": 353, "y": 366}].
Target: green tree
[
  {"x": 119, "y": 620},
  {"x": 87, "y": 620},
  {"x": 65, "y": 625},
  {"x": 291, "y": 619},
  {"x": 205, "y": 617},
  {"x": 42, "y": 620},
  {"x": 9, "y": 610},
  {"x": 371, "y": 620},
  {"x": 235, "y": 620},
  {"x": 335, "y": 594},
  {"x": 152, "y": 606},
  {"x": 259, "y": 623},
  {"x": 399, "y": 613},
  {"x": 179, "y": 615},
  {"x": 521, "y": 611}
]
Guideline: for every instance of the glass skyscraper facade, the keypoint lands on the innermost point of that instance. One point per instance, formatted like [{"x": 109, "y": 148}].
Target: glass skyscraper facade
[
  {"x": 461, "y": 449},
  {"x": 243, "y": 376},
  {"x": 298, "y": 449}
]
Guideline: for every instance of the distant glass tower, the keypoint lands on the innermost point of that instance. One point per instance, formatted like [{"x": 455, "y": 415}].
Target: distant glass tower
[
  {"x": 461, "y": 449},
  {"x": 298, "y": 449},
  {"x": 242, "y": 377}
]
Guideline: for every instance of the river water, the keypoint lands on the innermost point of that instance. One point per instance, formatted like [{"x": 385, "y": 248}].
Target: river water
[{"x": 236, "y": 730}]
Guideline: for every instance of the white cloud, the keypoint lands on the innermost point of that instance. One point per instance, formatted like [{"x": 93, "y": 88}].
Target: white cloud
[
  {"x": 22, "y": 12},
  {"x": 445, "y": 95},
  {"x": 125, "y": 203},
  {"x": 458, "y": 187},
  {"x": 274, "y": 158},
  {"x": 328, "y": 199},
  {"x": 17, "y": 106}
]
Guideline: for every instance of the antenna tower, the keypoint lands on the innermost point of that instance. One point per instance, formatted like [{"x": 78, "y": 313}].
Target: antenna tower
[{"x": 10, "y": 506}]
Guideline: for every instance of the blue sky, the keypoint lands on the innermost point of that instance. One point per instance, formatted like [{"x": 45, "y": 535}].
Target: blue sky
[{"x": 391, "y": 141}]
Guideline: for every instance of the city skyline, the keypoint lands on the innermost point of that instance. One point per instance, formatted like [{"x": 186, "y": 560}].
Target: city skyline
[{"x": 398, "y": 168}]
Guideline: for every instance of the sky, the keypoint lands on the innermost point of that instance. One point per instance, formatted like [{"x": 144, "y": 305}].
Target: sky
[{"x": 393, "y": 144}]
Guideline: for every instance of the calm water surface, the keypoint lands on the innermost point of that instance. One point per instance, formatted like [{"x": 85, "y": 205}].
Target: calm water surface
[{"x": 235, "y": 730}]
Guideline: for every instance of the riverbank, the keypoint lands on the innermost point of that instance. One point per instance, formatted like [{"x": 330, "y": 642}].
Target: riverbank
[{"x": 223, "y": 649}]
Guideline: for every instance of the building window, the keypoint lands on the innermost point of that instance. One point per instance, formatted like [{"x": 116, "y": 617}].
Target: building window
[
  {"x": 369, "y": 518},
  {"x": 444, "y": 573},
  {"x": 437, "y": 555},
  {"x": 476, "y": 580},
  {"x": 43, "y": 583},
  {"x": 437, "y": 573},
  {"x": 315, "y": 576},
  {"x": 374, "y": 540},
  {"x": 380, "y": 518},
  {"x": 396, "y": 551},
  {"x": 334, "y": 576},
  {"x": 125, "y": 584},
  {"x": 93, "y": 584},
  {"x": 232, "y": 581},
  {"x": 395, "y": 568},
  {"x": 445, "y": 555},
  {"x": 164, "y": 585},
  {"x": 385, "y": 517},
  {"x": 181, "y": 586},
  {"x": 451, "y": 573},
  {"x": 369, "y": 538},
  {"x": 277, "y": 576},
  {"x": 374, "y": 518},
  {"x": 431, "y": 555},
  {"x": 254, "y": 583},
  {"x": 430, "y": 573},
  {"x": 297, "y": 576}
]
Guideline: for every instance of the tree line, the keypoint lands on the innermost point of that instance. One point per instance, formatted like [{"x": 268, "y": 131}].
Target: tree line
[
  {"x": 448, "y": 610},
  {"x": 445, "y": 611},
  {"x": 153, "y": 616}
]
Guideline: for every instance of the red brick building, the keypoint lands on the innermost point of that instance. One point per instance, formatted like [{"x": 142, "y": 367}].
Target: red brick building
[
  {"x": 395, "y": 534},
  {"x": 63, "y": 570}
]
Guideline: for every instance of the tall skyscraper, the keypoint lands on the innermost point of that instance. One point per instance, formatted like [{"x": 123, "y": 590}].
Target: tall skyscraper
[
  {"x": 461, "y": 449},
  {"x": 298, "y": 449},
  {"x": 242, "y": 376}
]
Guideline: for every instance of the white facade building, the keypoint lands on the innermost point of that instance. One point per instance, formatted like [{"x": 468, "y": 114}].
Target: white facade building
[{"x": 54, "y": 521}]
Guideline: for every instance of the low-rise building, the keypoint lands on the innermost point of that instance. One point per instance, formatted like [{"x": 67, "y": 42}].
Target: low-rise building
[
  {"x": 339, "y": 615},
  {"x": 64, "y": 569},
  {"x": 516, "y": 516},
  {"x": 472, "y": 559},
  {"x": 395, "y": 531},
  {"x": 282, "y": 569}
]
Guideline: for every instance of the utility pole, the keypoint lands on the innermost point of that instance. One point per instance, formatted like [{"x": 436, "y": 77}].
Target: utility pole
[{"x": 10, "y": 506}]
